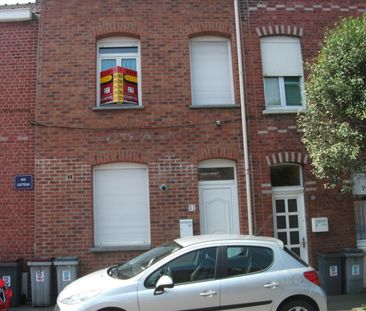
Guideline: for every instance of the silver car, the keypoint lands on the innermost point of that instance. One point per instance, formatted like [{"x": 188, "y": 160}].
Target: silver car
[{"x": 207, "y": 272}]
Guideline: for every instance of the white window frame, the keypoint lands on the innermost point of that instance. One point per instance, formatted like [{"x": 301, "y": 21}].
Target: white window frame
[
  {"x": 119, "y": 42},
  {"x": 282, "y": 89},
  {"x": 280, "y": 75},
  {"x": 218, "y": 163},
  {"x": 231, "y": 79},
  {"x": 131, "y": 244}
]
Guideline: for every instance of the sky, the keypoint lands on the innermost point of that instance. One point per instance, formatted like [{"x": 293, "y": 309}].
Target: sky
[{"x": 15, "y": 1}]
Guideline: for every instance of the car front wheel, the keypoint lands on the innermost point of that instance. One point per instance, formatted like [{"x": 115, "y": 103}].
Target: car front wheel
[{"x": 297, "y": 305}]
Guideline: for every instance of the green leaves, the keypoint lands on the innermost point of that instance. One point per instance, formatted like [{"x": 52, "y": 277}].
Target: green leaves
[{"x": 334, "y": 124}]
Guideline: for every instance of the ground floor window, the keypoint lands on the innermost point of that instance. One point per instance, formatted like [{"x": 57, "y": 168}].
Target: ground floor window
[
  {"x": 360, "y": 221},
  {"x": 121, "y": 205}
]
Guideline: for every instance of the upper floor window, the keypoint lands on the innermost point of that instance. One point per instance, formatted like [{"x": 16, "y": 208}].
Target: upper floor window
[
  {"x": 118, "y": 72},
  {"x": 211, "y": 71},
  {"x": 283, "y": 73}
]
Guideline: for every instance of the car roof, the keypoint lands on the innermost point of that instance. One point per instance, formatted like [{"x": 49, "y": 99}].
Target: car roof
[{"x": 206, "y": 238}]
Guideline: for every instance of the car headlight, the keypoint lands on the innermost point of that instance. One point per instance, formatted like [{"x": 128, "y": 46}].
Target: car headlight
[{"x": 80, "y": 297}]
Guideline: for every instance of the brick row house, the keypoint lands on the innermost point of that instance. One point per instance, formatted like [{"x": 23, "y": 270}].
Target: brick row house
[
  {"x": 178, "y": 154},
  {"x": 278, "y": 39},
  {"x": 18, "y": 72}
]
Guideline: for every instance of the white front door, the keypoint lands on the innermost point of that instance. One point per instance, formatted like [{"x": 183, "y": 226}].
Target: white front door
[
  {"x": 219, "y": 212},
  {"x": 289, "y": 221}
]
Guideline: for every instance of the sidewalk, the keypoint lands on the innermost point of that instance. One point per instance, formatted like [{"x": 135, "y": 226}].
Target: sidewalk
[
  {"x": 335, "y": 303},
  {"x": 346, "y": 302}
]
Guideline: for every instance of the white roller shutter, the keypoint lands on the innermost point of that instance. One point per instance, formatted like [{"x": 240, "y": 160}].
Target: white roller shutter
[
  {"x": 121, "y": 205},
  {"x": 211, "y": 71},
  {"x": 281, "y": 56}
]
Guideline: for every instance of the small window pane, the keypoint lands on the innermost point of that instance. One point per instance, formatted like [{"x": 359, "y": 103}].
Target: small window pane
[
  {"x": 280, "y": 206},
  {"x": 108, "y": 63},
  {"x": 292, "y": 91},
  {"x": 285, "y": 175},
  {"x": 216, "y": 173},
  {"x": 283, "y": 237},
  {"x": 296, "y": 250},
  {"x": 292, "y": 205},
  {"x": 272, "y": 92},
  {"x": 294, "y": 222},
  {"x": 129, "y": 63},
  {"x": 118, "y": 50},
  {"x": 294, "y": 237},
  {"x": 281, "y": 222}
]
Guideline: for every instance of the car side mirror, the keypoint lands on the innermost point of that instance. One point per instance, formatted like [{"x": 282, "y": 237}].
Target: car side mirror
[{"x": 165, "y": 281}]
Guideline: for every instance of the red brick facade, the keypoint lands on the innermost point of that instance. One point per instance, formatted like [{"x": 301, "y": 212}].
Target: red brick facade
[
  {"x": 276, "y": 138},
  {"x": 18, "y": 63},
  {"x": 166, "y": 134}
]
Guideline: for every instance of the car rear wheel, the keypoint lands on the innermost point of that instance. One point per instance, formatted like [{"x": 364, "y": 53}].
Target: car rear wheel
[{"x": 297, "y": 305}]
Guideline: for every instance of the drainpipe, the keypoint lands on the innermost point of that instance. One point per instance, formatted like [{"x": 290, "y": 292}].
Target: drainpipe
[{"x": 243, "y": 119}]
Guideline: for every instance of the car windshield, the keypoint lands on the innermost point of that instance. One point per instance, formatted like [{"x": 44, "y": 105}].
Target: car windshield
[{"x": 145, "y": 260}]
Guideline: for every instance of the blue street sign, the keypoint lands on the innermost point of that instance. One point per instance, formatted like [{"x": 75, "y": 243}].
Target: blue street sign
[{"x": 23, "y": 182}]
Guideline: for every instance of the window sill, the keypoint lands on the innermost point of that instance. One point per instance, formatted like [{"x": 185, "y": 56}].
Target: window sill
[
  {"x": 213, "y": 106},
  {"x": 104, "y": 249},
  {"x": 284, "y": 110},
  {"x": 118, "y": 107}
]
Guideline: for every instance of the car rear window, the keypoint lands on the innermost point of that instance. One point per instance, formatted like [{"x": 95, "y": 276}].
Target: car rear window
[{"x": 247, "y": 259}]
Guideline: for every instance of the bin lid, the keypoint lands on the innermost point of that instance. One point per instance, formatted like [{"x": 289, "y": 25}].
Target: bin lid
[
  {"x": 330, "y": 254},
  {"x": 66, "y": 261},
  {"x": 41, "y": 261},
  {"x": 15, "y": 263},
  {"x": 352, "y": 250},
  {"x": 354, "y": 254}
]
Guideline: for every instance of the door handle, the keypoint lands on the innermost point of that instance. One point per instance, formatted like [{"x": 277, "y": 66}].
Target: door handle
[
  {"x": 303, "y": 242},
  {"x": 208, "y": 293},
  {"x": 272, "y": 285}
]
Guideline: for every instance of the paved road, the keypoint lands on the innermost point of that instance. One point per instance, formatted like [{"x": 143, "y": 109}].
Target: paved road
[{"x": 335, "y": 303}]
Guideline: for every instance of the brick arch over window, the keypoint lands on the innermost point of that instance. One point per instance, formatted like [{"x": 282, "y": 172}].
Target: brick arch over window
[
  {"x": 217, "y": 153},
  {"x": 119, "y": 156},
  {"x": 279, "y": 30},
  {"x": 209, "y": 28},
  {"x": 287, "y": 157},
  {"x": 117, "y": 29}
]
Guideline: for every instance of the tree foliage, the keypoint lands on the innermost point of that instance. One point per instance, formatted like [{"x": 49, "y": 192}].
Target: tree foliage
[{"x": 335, "y": 122}]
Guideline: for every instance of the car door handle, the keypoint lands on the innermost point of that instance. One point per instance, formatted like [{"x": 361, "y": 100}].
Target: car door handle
[
  {"x": 272, "y": 285},
  {"x": 208, "y": 293}
]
